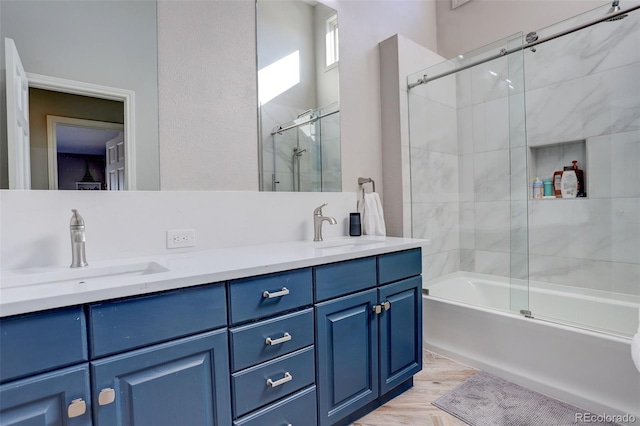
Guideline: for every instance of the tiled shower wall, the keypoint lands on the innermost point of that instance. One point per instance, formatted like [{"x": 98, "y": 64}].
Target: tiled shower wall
[
  {"x": 483, "y": 143},
  {"x": 435, "y": 199},
  {"x": 467, "y": 132},
  {"x": 585, "y": 86}
]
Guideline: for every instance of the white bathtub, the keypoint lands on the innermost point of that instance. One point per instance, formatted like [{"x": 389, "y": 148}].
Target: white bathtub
[{"x": 467, "y": 317}]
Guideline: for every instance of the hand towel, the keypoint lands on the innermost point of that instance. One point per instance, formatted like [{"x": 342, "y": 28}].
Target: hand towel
[{"x": 370, "y": 209}]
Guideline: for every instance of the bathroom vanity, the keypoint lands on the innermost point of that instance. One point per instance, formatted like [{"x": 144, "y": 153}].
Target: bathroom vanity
[{"x": 300, "y": 333}]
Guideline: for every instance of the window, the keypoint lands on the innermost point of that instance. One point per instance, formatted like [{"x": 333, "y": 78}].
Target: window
[{"x": 332, "y": 40}]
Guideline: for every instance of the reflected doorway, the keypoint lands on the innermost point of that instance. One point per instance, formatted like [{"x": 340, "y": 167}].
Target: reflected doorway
[{"x": 85, "y": 154}]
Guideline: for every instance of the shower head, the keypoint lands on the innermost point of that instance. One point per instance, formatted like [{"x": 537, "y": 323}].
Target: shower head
[{"x": 615, "y": 8}]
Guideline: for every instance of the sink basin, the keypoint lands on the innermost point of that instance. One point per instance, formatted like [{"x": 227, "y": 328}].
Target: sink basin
[
  {"x": 82, "y": 275},
  {"x": 344, "y": 246}
]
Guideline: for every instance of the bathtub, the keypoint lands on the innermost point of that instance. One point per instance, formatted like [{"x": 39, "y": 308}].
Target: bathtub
[{"x": 466, "y": 317}]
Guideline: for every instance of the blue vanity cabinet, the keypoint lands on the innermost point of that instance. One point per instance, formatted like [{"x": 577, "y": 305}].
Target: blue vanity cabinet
[
  {"x": 182, "y": 382},
  {"x": 161, "y": 359},
  {"x": 369, "y": 342},
  {"x": 43, "y": 369},
  {"x": 272, "y": 349},
  {"x": 347, "y": 361},
  {"x": 400, "y": 332},
  {"x": 61, "y": 397}
]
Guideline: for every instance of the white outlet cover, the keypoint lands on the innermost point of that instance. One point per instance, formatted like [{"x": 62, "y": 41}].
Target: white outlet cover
[{"x": 180, "y": 238}]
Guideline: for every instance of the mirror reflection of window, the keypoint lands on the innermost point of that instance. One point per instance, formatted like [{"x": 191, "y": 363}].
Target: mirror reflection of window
[{"x": 332, "y": 40}]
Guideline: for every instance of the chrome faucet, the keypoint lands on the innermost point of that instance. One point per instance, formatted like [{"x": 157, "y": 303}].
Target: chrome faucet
[
  {"x": 78, "y": 239},
  {"x": 317, "y": 222}
]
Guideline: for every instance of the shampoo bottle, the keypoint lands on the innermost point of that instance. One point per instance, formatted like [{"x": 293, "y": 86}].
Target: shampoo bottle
[{"x": 569, "y": 183}]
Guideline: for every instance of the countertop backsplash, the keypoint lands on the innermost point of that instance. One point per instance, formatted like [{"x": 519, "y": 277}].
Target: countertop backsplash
[{"x": 34, "y": 225}]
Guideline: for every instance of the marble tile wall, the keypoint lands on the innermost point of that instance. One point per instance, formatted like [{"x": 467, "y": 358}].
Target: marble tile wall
[
  {"x": 582, "y": 87},
  {"x": 486, "y": 129},
  {"x": 435, "y": 208},
  {"x": 585, "y": 86}
]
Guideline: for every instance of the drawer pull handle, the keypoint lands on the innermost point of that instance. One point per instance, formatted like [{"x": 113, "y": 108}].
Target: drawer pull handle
[
  {"x": 77, "y": 408},
  {"x": 386, "y": 305},
  {"x": 280, "y": 293},
  {"x": 287, "y": 378},
  {"x": 106, "y": 396},
  {"x": 376, "y": 309},
  {"x": 282, "y": 339}
]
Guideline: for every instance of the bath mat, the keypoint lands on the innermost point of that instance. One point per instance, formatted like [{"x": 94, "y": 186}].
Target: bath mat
[{"x": 487, "y": 400}]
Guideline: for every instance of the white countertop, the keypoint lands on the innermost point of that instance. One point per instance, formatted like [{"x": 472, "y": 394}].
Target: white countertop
[{"x": 30, "y": 290}]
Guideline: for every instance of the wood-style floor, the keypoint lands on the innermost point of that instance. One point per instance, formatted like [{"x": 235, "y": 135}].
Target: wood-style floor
[{"x": 438, "y": 376}]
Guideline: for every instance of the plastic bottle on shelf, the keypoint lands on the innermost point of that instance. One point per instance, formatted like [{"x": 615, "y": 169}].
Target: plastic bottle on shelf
[
  {"x": 548, "y": 188},
  {"x": 582, "y": 185},
  {"x": 537, "y": 189},
  {"x": 557, "y": 184},
  {"x": 569, "y": 183}
]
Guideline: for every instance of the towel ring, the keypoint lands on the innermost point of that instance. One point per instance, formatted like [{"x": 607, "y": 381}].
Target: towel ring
[{"x": 362, "y": 181}]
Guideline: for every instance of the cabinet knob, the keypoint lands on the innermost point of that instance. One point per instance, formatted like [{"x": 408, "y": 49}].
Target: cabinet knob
[
  {"x": 386, "y": 305},
  {"x": 377, "y": 309},
  {"x": 77, "y": 408},
  {"x": 106, "y": 396},
  {"x": 283, "y": 292},
  {"x": 285, "y": 338}
]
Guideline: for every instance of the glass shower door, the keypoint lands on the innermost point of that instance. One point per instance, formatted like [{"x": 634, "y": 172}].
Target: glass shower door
[{"x": 468, "y": 168}]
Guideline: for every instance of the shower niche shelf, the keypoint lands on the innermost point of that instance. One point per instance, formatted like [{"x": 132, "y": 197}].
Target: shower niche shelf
[{"x": 544, "y": 160}]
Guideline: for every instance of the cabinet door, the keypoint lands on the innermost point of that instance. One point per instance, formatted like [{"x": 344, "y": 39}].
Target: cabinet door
[
  {"x": 347, "y": 362},
  {"x": 400, "y": 332},
  {"x": 45, "y": 399},
  {"x": 183, "y": 382}
]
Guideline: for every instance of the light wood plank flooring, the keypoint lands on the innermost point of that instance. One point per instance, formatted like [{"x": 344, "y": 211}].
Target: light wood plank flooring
[{"x": 438, "y": 376}]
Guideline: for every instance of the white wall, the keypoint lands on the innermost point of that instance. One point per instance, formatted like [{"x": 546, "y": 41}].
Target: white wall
[
  {"x": 481, "y": 22},
  {"x": 399, "y": 57},
  {"x": 35, "y": 224},
  {"x": 207, "y": 95},
  {"x": 363, "y": 25}
]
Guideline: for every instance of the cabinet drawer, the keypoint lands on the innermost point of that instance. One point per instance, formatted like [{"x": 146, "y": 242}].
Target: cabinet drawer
[
  {"x": 258, "y": 297},
  {"x": 39, "y": 342},
  {"x": 250, "y": 388},
  {"x": 126, "y": 324},
  {"x": 399, "y": 265},
  {"x": 298, "y": 409},
  {"x": 342, "y": 278},
  {"x": 249, "y": 345}
]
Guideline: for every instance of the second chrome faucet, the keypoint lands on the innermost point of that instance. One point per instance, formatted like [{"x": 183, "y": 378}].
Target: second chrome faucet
[
  {"x": 318, "y": 220},
  {"x": 78, "y": 239}
]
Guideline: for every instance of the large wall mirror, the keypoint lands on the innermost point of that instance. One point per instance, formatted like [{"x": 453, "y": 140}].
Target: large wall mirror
[
  {"x": 82, "y": 95},
  {"x": 298, "y": 94}
]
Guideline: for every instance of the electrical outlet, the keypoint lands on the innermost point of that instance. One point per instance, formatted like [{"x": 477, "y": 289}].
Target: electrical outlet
[{"x": 180, "y": 238}]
